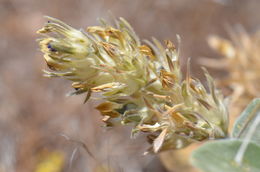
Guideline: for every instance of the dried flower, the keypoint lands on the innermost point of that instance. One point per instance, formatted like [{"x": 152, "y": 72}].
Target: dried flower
[
  {"x": 140, "y": 82},
  {"x": 241, "y": 62}
]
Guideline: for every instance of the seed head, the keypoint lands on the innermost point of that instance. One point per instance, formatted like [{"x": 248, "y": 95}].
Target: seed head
[
  {"x": 241, "y": 61},
  {"x": 140, "y": 82}
]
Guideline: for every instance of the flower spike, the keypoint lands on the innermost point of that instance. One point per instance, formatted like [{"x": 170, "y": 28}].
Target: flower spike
[{"x": 140, "y": 82}]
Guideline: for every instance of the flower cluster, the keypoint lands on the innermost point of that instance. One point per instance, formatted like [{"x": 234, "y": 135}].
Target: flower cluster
[
  {"x": 140, "y": 83},
  {"x": 241, "y": 62}
]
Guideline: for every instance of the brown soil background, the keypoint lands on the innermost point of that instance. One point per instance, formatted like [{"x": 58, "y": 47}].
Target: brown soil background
[{"x": 34, "y": 111}]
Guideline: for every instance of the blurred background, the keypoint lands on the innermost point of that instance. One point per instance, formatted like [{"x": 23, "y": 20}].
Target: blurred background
[{"x": 42, "y": 130}]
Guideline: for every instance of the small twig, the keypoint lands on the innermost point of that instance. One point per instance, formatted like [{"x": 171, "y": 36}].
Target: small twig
[
  {"x": 72, "y": 157},
  {"x": 80, "y": 143}
]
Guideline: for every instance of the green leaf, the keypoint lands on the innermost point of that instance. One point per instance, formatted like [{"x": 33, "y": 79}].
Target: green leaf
[
  {"x": 220, "y": 155},
  {"x": 246, "y": 120}
]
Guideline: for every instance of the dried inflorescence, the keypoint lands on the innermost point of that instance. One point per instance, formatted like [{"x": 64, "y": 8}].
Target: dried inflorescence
[
  {"x": 140, "y": 83},
  {"x": 241, "y": 62}
]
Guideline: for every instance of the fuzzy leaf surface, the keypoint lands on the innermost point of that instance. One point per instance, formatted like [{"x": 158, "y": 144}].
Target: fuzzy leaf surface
[
  {"x": 245, "y": 121},
  {"x": 219, "y": 156}
]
